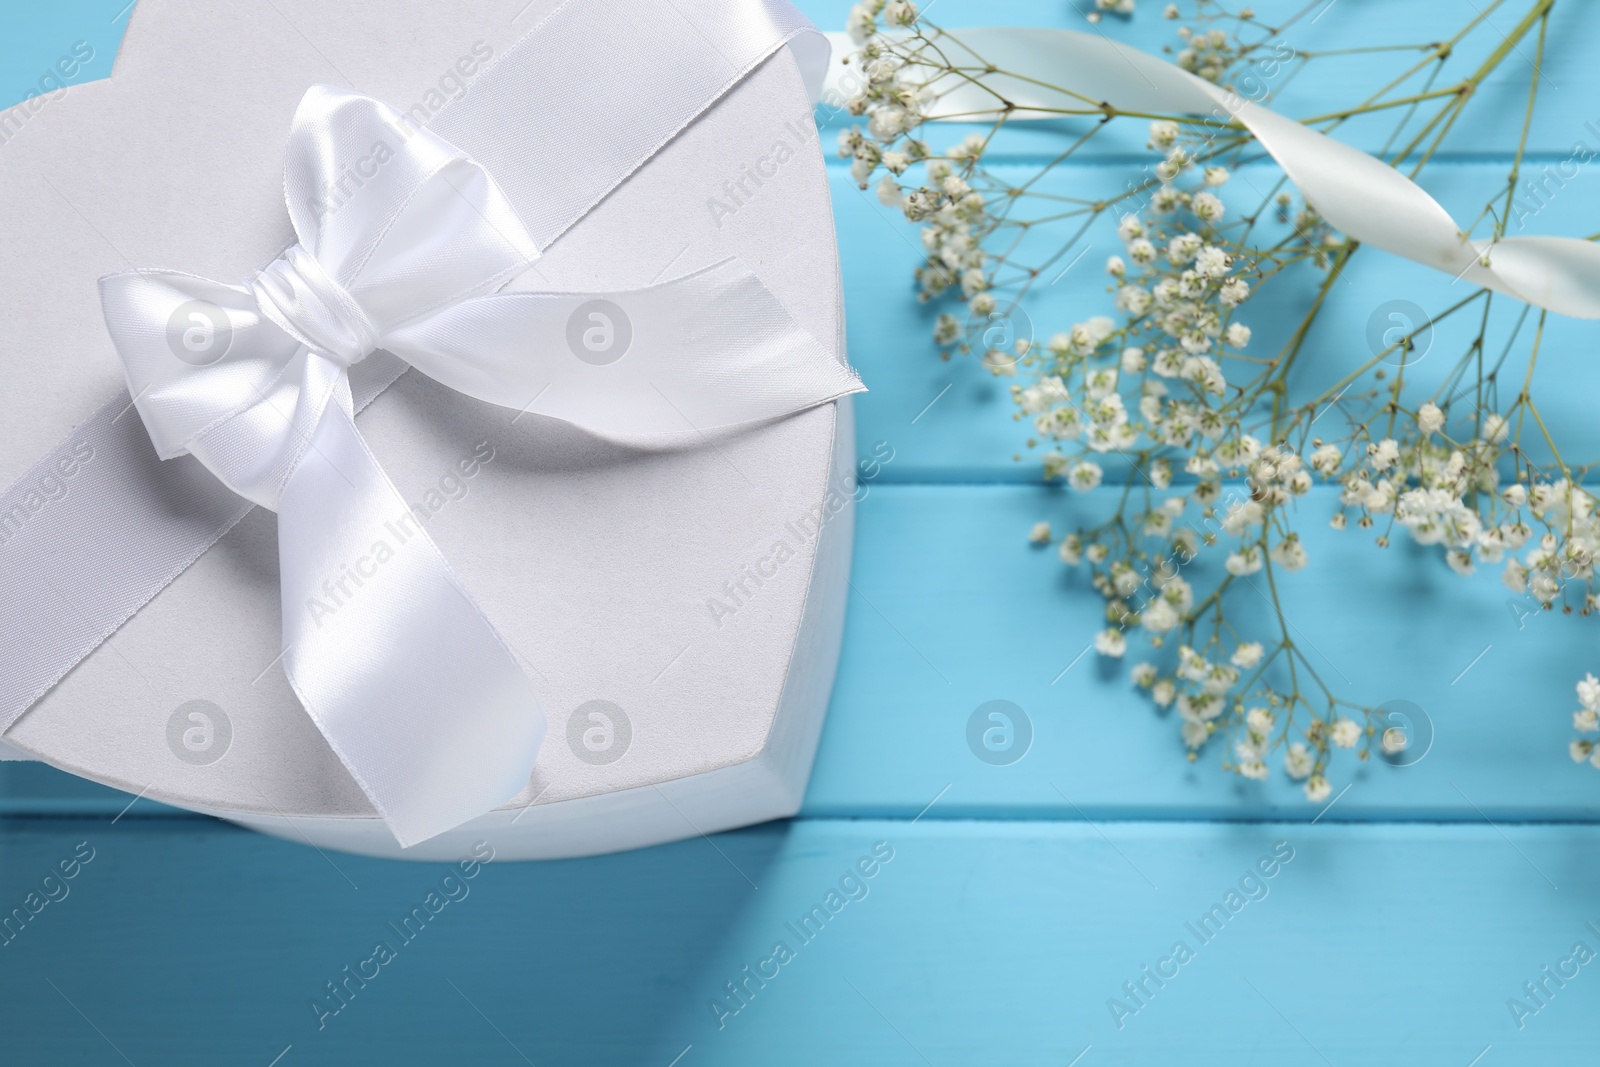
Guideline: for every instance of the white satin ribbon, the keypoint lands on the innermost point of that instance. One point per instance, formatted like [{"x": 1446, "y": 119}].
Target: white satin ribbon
[
  {"x": 1362, "y": 197},
  {"x": 410, "y": 684}
]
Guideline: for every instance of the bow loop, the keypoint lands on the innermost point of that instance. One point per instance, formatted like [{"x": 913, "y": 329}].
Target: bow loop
[{"x": 395, "y": 215}]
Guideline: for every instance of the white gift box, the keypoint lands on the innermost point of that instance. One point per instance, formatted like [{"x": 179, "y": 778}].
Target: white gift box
[{"x": 678, "y": 610}]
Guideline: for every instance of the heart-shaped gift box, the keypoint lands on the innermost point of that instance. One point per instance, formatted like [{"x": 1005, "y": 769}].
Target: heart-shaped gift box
[{"x": 677, "y": 609}]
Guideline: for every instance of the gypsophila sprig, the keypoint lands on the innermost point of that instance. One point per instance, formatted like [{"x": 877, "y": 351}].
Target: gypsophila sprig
[{"x": 1160, "y": 391}]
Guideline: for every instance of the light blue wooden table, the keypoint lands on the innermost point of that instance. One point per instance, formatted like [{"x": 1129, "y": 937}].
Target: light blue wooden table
[{"x": 1019, "y": 900}]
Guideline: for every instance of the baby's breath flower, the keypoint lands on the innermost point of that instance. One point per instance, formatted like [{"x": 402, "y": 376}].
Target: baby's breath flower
[
  {"x": 1110, "y": 643},
  {"x": 1085, "y": 476},
  {"x": 1289, "y": 553},
  {"x": 1245, "y": 561},
  {"x": 1233, "y": 292},
  {"x": 1206, "y": 207},
  {"x": 1163, "y": 134},
  {"x": 860, "y": 23},
  {"x": 900, "y": 13},
  {"x": 1430, "y": 419},
  {"x": 1212, "y": 263},
  {"x": 1346, "y": 733},
  {"x": 1247, "y": 655},
  {"x": 1183, "y": 248},
  {"x": 1160, "y": 617}
]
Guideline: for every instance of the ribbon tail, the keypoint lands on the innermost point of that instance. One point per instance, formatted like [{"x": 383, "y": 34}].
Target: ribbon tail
[
  {"x": 710, "y": 350},
  {"x": 411, "y": 685},
  {"x": 1041, "y": 74}
]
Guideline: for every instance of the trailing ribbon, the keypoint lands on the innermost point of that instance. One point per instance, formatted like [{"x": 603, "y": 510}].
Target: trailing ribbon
[
  {"x": 410, "y": 684},
  {"x": 1038, "y": 71}
]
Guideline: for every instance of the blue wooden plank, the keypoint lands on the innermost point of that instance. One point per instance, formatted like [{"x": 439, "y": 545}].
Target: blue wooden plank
[
  {"x": 952, "y": 608},
  {"x": 965, "y": 433},
  {"x": 975, "y": 943}
]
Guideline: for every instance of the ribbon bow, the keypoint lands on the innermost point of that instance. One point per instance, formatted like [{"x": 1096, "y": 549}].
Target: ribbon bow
[{"x": 403, "y": 242}]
